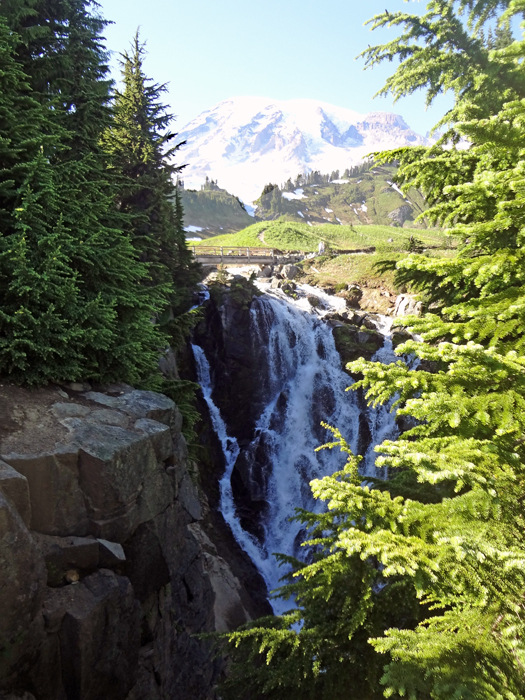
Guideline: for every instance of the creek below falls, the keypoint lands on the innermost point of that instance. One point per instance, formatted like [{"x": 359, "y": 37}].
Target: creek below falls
[{"x": 282, "y": 377}]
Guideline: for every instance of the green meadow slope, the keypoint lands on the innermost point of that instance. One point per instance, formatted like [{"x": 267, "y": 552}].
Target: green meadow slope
[
  {"x": 213, "y": 211},
  {"x": 287, "y": 235}
]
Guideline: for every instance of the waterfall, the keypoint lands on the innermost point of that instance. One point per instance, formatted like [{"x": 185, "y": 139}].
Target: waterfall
[{"x": 304, "y": 384}]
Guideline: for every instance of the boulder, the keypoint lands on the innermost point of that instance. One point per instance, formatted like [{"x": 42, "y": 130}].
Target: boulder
[
  {"x": 228, "y": 608},
  {"x": 313, "y": 300},
  {"x": 69, "y": 410},
  {"x": 353, "y": 296},
  {"x": 14, "y": 485},
  {"x": 290, "y": 272},
  {"x": 399, "y": 335},
  {"x": 265, "y": 272},
  {"x": 368, "y": 322},
  {"x": 288, "y": 287},
  {"x": 106, "y": 416},
  {"x": 352, "y": 343},
  {"x": 401, "y": 214},
  {"x": 407, "y": 305},
  {"x": 111, "y": 554}
]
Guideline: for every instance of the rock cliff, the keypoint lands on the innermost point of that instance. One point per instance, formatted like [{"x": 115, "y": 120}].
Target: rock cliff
[{"x": 111, "y": 557}]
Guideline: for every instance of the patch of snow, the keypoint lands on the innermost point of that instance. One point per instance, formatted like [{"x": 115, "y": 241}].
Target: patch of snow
[
  {"x": 193, "y": 229},
  {"x": 328, "y": 211},
  {"x": 195, "y": 238},
  {"x": 298, "y": 194},
  {"x": 339, "y": 182},
  {"x": 309, "y": 223},
  {"x": 250, "y": 209},
  {"x": 353, "y": 208},
  {"x": 364, "y": 207},
  {"x": 396, "y": 188},
  {"x": 301, "y": 214},
  {"x": 339, "y": 221},
  {"x": 248, "y": 141},
  {"x": 359, "y": 181}
]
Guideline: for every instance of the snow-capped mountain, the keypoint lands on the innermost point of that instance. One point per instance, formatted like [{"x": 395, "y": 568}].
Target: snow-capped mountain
[{"x": 246, "y": 142}]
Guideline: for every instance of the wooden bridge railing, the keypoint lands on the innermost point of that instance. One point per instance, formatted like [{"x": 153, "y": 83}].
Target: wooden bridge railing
[{"x": 234, "y": 251}]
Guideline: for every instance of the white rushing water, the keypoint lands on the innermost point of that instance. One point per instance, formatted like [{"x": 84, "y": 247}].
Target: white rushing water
[{"x": 304, "y": 384}]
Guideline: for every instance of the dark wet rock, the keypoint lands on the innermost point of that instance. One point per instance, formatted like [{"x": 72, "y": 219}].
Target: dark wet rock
[
  {"x": 352, "y": 343},
  {"x": 400, "y": 336}
]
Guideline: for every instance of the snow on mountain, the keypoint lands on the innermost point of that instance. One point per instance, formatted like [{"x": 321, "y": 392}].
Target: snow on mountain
[{"x": 246, "y": 142}]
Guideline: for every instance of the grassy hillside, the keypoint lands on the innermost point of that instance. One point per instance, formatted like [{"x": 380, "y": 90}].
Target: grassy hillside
[
  {"x": 299, "y": 236},
  {"x": 365, "y": 199},
  {"x": 213, "y": 211}
]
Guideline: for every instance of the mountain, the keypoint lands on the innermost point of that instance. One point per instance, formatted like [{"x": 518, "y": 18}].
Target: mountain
[
  {"x": 369, "y": 197},
  {"x": 211, "y": 211},
  {"x": 246, "y": 142}
]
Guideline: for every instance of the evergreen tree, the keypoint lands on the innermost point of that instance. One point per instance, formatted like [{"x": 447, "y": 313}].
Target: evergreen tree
[
  {"x": 139, "y": 144},
  {"x": 416, "y": 587},
  {"x": 63, "y": 57},
  {"x": 37, "y": 286}
]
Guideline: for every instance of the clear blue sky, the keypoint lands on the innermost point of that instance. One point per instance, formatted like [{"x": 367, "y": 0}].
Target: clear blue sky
[{"x": 210, "y": 50}]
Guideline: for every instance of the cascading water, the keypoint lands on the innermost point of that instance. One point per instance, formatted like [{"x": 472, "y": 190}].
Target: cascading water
[{"x": 304, "y": 385}]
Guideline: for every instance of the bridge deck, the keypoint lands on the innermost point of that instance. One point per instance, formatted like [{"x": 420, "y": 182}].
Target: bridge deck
[{"x": 237, "y": 255}]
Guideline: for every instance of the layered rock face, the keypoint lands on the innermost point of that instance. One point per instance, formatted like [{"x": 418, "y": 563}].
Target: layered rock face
[{"x": 109, "y": 553}]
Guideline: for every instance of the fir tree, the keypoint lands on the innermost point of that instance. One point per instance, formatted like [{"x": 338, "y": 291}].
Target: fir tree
[
  {"x": 140, "y": 147},
  {"x": 62, "y": 54},
  {"x": 37, "y": 286},
  {"x": 416, "y": 588}
]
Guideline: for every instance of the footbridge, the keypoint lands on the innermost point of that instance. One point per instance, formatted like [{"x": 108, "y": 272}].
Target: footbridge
[{"x": 238, "y": 255}]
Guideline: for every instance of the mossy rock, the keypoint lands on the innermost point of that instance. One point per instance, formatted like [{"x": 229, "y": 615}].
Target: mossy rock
[
  {"x": 352, "y": 343},
  {"x": 400, "y": 336}
]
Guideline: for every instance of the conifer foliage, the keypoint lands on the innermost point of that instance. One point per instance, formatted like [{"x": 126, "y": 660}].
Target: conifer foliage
[
  {"x": 79, "y": 286},
  {"x": 417, "y": 586},
  {"x": 142, "y": 149}
]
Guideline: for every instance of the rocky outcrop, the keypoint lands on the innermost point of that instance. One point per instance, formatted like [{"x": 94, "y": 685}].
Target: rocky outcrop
[
  {"x": 407, "y": 305},
  {"x": 234, "y": 355},
  {"x": 107, "y": 553},
  {"x": 353, "y": 342},
  {"x": 401, "y": 214}
]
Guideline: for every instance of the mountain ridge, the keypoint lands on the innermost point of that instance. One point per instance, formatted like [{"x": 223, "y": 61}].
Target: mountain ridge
[{"x": 246, "y": 142}]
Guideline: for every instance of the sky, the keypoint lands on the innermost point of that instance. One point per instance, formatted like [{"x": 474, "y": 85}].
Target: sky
[{"x": 212, "y": 50}]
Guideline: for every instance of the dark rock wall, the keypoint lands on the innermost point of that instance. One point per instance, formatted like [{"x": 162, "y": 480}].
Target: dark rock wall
[{"x": 112, "y": 559}]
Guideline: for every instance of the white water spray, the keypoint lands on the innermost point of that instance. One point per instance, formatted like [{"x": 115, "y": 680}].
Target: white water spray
[{"x": 304, "y": 384}]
